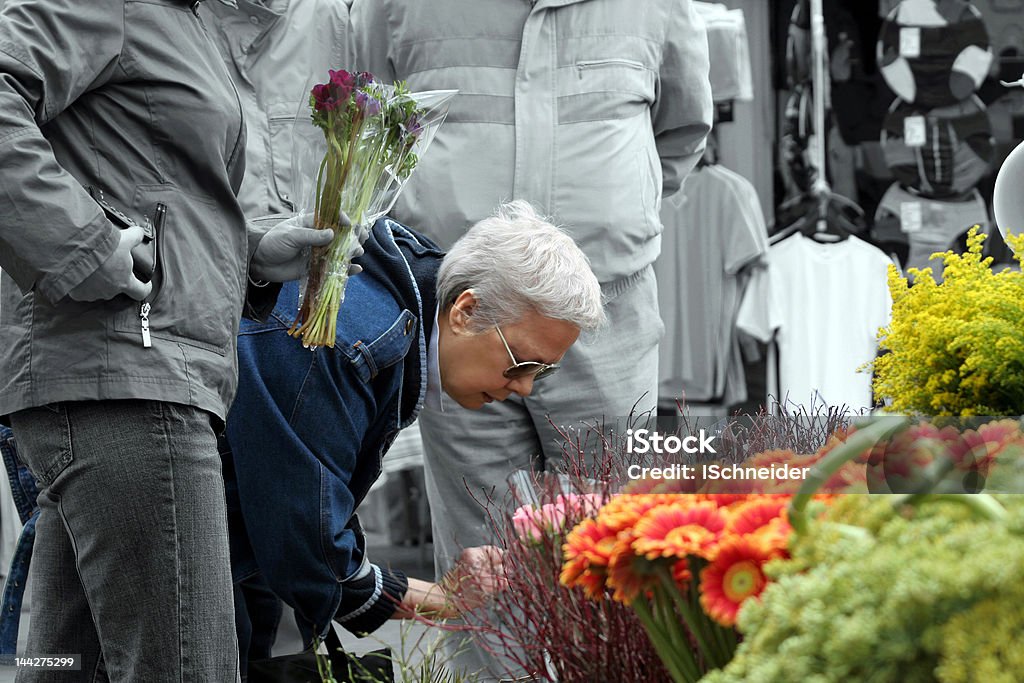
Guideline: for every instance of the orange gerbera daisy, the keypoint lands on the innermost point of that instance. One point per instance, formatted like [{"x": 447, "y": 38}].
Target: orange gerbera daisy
[
  {"x": 590, "y": 541},
  {"x": 678, "y": 530},
  {"x": 748, "y": 517},
  {"x": 977, "y": 450},
  {"x": 725, "y": 500},
  {"x": 774, "y": 536},
  {"x": 628, "y": 573},
  {"x": 593, "y": 582},
  {"x": 623, "y": 511},
  {"x": 778, "y": 456},
  {"x": 587, "y": 550},
  {"x": 735, "y": 575}
]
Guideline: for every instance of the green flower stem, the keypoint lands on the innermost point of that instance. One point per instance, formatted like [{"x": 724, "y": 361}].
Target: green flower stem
[
  {"x": 858, "y": 442},
  {"x": 982, "y": 505},
  {"x": 727, "y": 638},
  {"x": 695, "y": 619},
  {"x": 323, "y": 664},
  {"x": 725, "y": 647},
  {"x": 683, "y": 669},
  {"x": 670, "y": 622}
]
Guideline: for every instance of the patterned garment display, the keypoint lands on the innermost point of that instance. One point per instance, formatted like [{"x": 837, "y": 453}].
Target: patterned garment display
[
  {"x": 934, "y": 54},
  {"x": 940, "y": 152},
  {"x": 930, "y": 225}
]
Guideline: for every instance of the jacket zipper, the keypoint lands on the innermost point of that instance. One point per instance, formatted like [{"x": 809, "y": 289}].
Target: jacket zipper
[
  {"x": 592, "y": 63},
  {"x": 147, "y": 305}
]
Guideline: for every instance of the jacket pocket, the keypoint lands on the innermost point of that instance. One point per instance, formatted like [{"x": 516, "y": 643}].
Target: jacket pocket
[
  {"x": 587, "y": 64},
  {"x": 604, "y": 89},
  {"x": 649, "y": 172},
  {"x": 44, "y": 441},
  {"x": 281, "y": 123},
  {"x": 197, "y": 279},
  {"x": 369, "y": 359}
]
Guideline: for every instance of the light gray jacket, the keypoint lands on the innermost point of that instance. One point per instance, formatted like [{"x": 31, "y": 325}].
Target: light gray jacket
[
  {"x": 130, "y": 97},
  {"x": 589, "y": 109},
  {"x": 275, "y": 52}
]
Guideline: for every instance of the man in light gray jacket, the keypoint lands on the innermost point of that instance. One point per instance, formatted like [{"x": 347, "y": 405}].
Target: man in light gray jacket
[{"x": 590, "y": 110}]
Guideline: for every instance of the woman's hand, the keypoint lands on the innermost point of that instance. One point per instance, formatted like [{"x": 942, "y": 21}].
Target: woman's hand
[{"x": 477, "y": 576}]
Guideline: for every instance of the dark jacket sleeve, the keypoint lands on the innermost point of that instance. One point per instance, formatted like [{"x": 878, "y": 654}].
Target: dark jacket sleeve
[
  {"x": 260, "y": 297},
  {"x": 52, "y": 235},
  {"x": 371, "y": 596}
]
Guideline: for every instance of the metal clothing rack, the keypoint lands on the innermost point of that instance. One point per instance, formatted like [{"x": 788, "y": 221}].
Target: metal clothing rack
[{"x": 819, "y": 50}]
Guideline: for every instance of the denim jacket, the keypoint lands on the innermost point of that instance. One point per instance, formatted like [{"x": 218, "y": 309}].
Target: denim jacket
[
  {"x": 308, "y": 430},
  {"x": 23, "y": 490}
]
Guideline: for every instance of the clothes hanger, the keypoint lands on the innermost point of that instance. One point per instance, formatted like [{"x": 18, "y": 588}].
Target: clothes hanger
[{"x": 828, "y": 218}]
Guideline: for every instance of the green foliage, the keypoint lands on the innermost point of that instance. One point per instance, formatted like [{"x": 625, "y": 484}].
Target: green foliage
[{"x": 901, "y": 605}]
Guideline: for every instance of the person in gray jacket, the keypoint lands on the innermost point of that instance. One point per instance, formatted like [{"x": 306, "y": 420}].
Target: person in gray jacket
[
  {"x": 125, "y": 257},
  {"x": 588, "y": 109},
  {"x": 273, "y": 50}
]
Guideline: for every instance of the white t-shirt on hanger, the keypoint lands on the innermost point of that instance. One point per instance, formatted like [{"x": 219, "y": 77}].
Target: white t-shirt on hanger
[{"x": 823, "y": 304}]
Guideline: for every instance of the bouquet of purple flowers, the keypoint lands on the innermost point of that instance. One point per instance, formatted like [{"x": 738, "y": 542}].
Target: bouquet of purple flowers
[{"x": 373, "y": 137}]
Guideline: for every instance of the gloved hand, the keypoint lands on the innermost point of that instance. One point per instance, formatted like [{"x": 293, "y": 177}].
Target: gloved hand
[
  {"x": 280, "y": 255},
  {"x": 115, "y": 276}
]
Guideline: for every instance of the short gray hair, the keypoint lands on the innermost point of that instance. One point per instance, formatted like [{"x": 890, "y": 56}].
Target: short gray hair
[{"x": 516, "y": 261}]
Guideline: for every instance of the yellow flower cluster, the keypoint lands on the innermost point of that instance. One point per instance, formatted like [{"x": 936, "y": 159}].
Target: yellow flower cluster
[{"x": 955, "y": 347}]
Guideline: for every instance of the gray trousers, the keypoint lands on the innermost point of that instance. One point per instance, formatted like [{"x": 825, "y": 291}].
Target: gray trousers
[
  {"x": 469, "y": 454},
  {"x": 130, "y": 568}
]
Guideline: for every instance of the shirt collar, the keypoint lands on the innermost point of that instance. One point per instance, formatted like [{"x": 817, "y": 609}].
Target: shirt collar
[{"x": 434, "y": 398}]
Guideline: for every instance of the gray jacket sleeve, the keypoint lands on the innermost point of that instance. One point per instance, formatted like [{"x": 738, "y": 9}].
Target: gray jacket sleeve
[
  {"x": 371, "y": 38},
  {"x": 682, "y": 114},
  {"x": 52, "y": 235}
]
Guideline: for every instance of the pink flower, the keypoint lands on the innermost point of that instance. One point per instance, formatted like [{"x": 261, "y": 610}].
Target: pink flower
[
  {"x": 580, "y": 505},
  {"x": 532, "y": 523}
]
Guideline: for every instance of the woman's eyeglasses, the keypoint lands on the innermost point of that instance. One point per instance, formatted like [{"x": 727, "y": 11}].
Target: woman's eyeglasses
[{"x": 526, "y": 368}]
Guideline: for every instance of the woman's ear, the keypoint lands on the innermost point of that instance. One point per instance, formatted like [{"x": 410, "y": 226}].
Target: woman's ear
[{"x": 461, "y": 312}]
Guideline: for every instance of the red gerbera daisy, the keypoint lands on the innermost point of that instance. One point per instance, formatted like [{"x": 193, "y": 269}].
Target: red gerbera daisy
[{"x": 735, "y": 575}]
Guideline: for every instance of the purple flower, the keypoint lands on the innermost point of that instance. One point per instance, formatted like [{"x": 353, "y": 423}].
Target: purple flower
[
  {"x": 413, "y": 125},
  {"x": 369, "y": 104}
]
